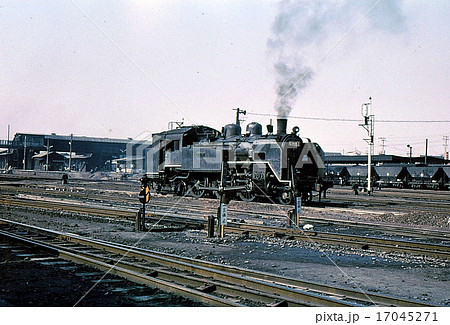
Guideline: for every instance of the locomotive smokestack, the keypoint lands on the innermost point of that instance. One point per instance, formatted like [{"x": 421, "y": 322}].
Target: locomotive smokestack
[{"x": 281, "y": 126}]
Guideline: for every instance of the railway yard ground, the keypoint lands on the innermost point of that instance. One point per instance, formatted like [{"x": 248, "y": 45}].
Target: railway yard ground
[{"x": 257, "y": 238}]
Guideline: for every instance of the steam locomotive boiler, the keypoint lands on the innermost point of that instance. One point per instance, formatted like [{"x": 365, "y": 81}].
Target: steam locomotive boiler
[{"x": 278, "y": 166}]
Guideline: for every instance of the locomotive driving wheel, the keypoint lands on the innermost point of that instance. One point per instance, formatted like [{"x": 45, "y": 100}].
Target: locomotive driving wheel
[
  {"x": 285, "y": 197},
  {"x": 195, "y": 191},
  {"x": 247, "y": 196}
]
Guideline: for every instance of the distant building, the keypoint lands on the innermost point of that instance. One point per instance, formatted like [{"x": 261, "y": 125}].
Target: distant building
[
  {"x": 54, "y": 160},
  {"x": 78, "y": 153}
]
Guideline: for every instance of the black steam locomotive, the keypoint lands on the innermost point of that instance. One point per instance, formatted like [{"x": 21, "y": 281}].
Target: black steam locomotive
[{"x": 189, "y": 160}]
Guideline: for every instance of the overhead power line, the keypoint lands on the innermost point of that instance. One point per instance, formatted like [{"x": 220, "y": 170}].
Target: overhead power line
[{"x": 350, "y": 120}]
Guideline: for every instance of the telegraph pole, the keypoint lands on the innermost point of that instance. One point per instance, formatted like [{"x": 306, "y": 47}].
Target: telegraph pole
[
  {"x": 445, "y": 138},
  {"x": 238, "y": 112},
  {"x": 9, "y": 130},
  {"x": 383, "y": 140},
  {"x": 369, "y": 121},
  {"x": 48, "y": 148},
  {"x": 25, "y": 152},
  {"x": 70, "y": 154},
  {"x": 410, "y": 153}
]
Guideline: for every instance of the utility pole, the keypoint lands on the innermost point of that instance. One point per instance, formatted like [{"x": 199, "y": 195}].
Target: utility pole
[
  {"x": 426, "y": 151},
  {"x": 410, "y": 153},
  {"x": 70, "y": 154},
  {"x": 25, "y": 152},
  {"x": 383, "y": 140},
  {"x": 48, "y": 149},
  {"x": 369, "y": 123},
  {"x": 9, "y": 130},
  {"x": 46, "y": 163},
  {"x": 445, "y": 138},
  {"x": 239, "y": 111}
]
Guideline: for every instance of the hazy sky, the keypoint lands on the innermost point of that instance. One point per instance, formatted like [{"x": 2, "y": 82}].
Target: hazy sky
[{"x": 121, "y": 68}]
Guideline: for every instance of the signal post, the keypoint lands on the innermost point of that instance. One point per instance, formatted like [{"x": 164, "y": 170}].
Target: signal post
[
  {"x": 226, "y": 194},
  {"x": 144, "y": 198},
  {"x": 222, "y": 212}
]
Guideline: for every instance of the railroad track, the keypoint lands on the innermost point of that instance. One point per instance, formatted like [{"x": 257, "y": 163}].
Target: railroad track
[
  {"x": 364, "y": 242},
  {"x": 388, "y": 200},
  {"x": 397, "y": 193},
  {"x": 427, "y": 203},
  {"x": 193, "y": 208},
  {"x": 439, "y": 235},
  {"x": 279, "y": 217},
  {"x": 380, "y": 244},
  {"x": 391, "y": 206},
  {"x": 211, "y": 283}
]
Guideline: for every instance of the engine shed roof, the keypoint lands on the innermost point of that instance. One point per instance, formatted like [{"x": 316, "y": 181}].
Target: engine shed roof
[
  {"x": 187, "y": 129},
  {"x": 19, "y": 139}
]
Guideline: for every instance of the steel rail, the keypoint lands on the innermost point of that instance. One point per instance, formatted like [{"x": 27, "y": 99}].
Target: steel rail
[
  {"x": 439, "y": 207},
  {"x": 159, "y": 205},
  {"x": 126, "y": 273},
  {"x": 389, "y": 205},
  {"x": 377, "y": 226},
  {"x": 425, "y": 249},
  {"x": 215, "y": 270},
  {"x": 389, "y": 229},
  {"x": 350, "y": 293},
  {"x": 373, "y": 200},
  {"x": 392, "y": 192},
  {"x": 237, "y": 284},
  {"x": 94, "y": 261},
  {"x": 356, "y": 241},
  {"x": 441, "y": 251}
]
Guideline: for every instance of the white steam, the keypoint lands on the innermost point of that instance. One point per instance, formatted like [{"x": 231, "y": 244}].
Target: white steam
[{"x": 302, "y": 30}]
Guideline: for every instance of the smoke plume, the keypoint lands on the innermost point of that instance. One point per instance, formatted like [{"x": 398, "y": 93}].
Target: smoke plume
[{"x": 302, "y": 31}]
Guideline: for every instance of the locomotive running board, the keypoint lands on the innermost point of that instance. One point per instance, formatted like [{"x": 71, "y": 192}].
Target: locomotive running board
[{"x": 226, "y": 188}]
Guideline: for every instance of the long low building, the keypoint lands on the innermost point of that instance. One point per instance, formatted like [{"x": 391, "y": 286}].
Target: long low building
[{"x": 29, "y": 151}]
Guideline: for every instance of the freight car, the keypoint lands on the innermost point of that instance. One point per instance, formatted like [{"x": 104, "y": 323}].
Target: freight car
[
  {"x": 442, "y": 178},
  {"x": 433, "y": 177},
  {"x": 277, "y": 166}
]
